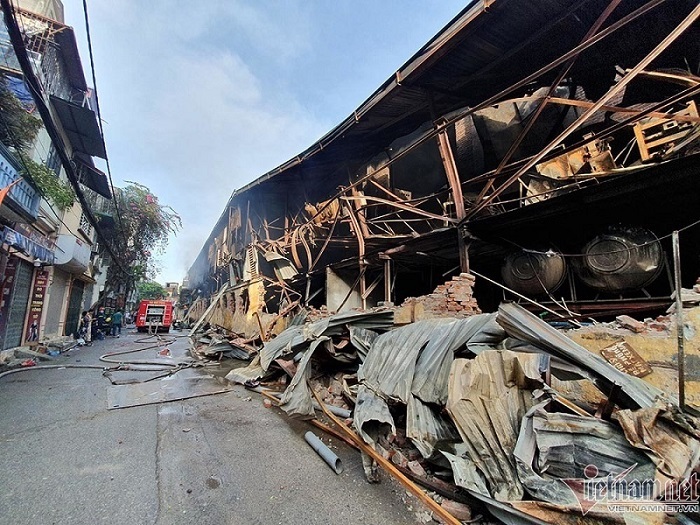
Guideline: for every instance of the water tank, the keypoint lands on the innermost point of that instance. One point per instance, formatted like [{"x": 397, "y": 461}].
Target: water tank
[
  {"x": 534, "y": 272},
  {"x": 621, "y": 259}
]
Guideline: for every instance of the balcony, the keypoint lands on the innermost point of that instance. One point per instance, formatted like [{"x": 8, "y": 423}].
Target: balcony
[{"x": 22, "y": 202}]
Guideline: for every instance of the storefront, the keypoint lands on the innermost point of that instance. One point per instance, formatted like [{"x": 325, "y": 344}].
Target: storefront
[{"x": 16, "y": 290}]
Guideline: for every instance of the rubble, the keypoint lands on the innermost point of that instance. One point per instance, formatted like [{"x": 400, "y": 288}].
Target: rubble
[
  {"x": 453, "y": 299},
  {"x": 495, "y": 169},
  {"x": 499, "y": 404}
]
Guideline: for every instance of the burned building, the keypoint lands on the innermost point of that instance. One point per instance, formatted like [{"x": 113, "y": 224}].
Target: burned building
[{"x": 549, "y": 147}]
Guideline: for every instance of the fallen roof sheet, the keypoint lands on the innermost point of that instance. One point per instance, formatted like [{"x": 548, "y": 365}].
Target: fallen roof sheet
[
  {"x": 297, "y": 400},
  {"x": 432, "y": 369},
  {"x": 252, "y": 372},
  {"x": 669, "y": 437},
  {"x": 362, "y": 339},
  {"x": 553, "y": 447},
  {"x": 428, "y": 429},
  {"x": 523, "y": 325},
  {"x": 391, "y": 362},
  {"x": 372, "y": 416},
  {"x": 488, "y": 397},
  {"x": 295, "y": 338}
]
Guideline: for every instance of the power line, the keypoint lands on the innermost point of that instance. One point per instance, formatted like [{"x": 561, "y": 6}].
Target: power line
[
  {"x": 27, "y": 172},
  {"x": 99, "y": 116},
  {"x": 23, "y": 59},
  {"x": 611, "y": 252}
]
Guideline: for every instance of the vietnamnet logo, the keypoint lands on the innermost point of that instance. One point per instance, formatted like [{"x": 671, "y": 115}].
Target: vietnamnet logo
[{"x": 617, "y": 493}]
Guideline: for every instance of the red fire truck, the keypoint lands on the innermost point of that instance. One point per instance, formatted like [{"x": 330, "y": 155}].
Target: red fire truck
[{"x": 154, "y": 316}]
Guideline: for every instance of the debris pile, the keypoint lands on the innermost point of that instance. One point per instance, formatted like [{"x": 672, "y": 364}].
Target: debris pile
[
  {"x": 454, "y": 298},
  {"x": 215, "y": 345},
  {"x": 490, "y": 408}
]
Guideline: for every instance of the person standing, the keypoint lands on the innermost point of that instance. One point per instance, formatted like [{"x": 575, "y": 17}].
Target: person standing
[
  {"x": 101, "y": 322},
  {"x": 117, "y": 323},
  {"x": 86, "y": 328}
]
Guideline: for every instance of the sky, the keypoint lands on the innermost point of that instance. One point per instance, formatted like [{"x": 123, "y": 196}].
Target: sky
[{"x": 200, "y": 98}]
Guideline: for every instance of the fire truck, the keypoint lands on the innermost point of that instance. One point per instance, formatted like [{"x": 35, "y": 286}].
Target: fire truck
[{"x": 154, "y": 316}]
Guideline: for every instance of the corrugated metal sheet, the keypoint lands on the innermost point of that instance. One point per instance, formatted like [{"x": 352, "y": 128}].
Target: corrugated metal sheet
[
  {"x": 521, "y": 324},
  {"x": 428, "y": 429},
  {"x": 296, "y": 338},
  {"x": 433, "y": 366},
  {"x": 297, "y": 400},
  {"x": 288, "y": 341},
  {"x": 669, "y": 437},
  {"x": 488, "y": 397},
  {"x": 252, "y": 372},
  {"x": 466, "y": 474},
  {"x": 283, "y": 267},
  {"x": 362, "y": 339},
  {"x": 555, "y": 446},
  {"x": 372, "y": 416},
  {"x": 391, "y": 362}
]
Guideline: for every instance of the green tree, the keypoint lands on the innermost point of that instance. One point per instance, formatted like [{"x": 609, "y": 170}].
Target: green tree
[
  {"x": 149, "y": 290},
  {"x": 18, "y": 128},
  {"x": 140, "y": 232},
  {"x": 59, "y": 192}
]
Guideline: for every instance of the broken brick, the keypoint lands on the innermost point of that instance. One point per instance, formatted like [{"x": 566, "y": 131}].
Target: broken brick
[
  {"x": 417, "y": 468},
  {"x": 399, "y": 459},
  {"x": 460, "y": 511},
  {"x": 629, "y": 323}
]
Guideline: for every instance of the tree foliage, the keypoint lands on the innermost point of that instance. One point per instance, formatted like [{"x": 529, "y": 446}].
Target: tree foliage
[
  {"x": 18, "y": 128},
  {"x": 149, "y": 290},
  {"x": 141, "y": 230},
  {"x": 59, "y": 192}
]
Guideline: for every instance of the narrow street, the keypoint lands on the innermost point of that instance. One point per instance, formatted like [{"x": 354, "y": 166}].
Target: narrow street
[{"x": 219, "y": 459}]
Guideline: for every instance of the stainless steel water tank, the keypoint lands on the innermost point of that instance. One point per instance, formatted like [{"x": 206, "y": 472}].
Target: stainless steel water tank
[
  {"x": 534, "y": 273},
  {"x": 621, "y": 259}
]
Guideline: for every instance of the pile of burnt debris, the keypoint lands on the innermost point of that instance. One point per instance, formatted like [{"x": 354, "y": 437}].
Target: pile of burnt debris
[{"x": 496, "y": 412}]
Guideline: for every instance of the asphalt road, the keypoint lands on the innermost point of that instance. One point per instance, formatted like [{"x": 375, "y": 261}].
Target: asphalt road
[{"x": 222, "y": 459}]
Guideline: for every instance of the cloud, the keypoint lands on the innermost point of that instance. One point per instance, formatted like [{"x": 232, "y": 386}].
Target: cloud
[{"x": 191, "y": 120}]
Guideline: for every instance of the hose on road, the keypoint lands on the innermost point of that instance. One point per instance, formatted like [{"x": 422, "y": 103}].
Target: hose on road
[{"x": 137, "y": 365}]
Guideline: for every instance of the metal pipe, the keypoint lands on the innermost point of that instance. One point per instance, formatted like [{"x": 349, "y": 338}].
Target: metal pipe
[
  {"x": 679, "y": 319},
  {"x": 322, "y": 450},
  {"x": 340, "y": 412},
  {"x": 531, "y": 301},
  {"x": 617, "y": 88}
]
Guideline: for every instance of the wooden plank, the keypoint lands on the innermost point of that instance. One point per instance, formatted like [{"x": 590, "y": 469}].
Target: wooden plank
[
  {"x": 208, "y": 311},
  {"x": 387, "y": 465}
]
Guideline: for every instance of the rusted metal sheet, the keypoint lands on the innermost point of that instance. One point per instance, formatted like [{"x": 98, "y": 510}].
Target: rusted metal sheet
[
  {"x": 488, "y": 397},
  {"x": 553, "y": 447},
  {"x": 522, "y": 325},
  {"x": 428, "y": 429},
  {"x": 669, "y": 437}
]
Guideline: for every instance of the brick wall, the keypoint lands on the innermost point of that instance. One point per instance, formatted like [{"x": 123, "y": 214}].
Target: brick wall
[{"x": 452, "y": 299}]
